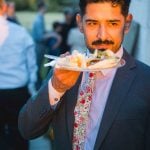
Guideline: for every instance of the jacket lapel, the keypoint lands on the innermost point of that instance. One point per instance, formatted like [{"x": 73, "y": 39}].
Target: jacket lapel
[{"x": 120, "y": 87}]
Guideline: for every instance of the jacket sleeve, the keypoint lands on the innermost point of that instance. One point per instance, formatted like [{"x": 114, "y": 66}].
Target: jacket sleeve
[{"x": 36, "y": 115}]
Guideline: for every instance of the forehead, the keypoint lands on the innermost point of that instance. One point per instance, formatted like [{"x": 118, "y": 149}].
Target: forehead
[{"x": 103, "y": 10}]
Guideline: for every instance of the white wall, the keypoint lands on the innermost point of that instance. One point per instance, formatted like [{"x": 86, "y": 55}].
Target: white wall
[{"x": 140, "y": 9}]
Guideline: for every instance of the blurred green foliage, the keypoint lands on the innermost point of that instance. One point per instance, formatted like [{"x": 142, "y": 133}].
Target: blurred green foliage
[
  {"x": 21, "y": 5},
  {"x": 53, "y": 5}
]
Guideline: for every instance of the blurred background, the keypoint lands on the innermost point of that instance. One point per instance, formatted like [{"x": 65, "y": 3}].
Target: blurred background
[
  {"x": 57, "y": 19},
  {"x": 140, "y": 37},
  {"x": 26, "y": 11}
]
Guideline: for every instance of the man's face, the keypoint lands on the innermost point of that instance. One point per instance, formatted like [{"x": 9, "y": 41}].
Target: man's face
[{"x": 103, "y": 26}]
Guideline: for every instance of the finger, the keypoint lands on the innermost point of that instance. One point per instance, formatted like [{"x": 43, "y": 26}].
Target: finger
[{"x": 65, "y": 54}]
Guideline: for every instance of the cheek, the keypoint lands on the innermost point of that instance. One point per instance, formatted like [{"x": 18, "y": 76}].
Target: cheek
[
  {"x": 90, "y": 35},
  {"x": 117, "y": 35}
]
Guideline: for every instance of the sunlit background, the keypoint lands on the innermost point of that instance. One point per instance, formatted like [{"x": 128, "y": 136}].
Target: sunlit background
[
  {"x": 138, "y": 38},
  {"x": 26, "y": 12}
]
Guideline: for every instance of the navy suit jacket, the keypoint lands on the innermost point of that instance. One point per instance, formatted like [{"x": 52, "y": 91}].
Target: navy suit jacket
[{"x": 126, "y": 121}]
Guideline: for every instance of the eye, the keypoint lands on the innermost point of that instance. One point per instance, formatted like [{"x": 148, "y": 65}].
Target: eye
[
  {"x": 91, "y": 23},
  {"x": 113, "y": 24}
]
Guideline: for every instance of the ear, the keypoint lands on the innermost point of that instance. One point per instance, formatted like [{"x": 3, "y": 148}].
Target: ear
[
  {"x": 127, "y": 23},
  {"x": 79, "y": 22}
]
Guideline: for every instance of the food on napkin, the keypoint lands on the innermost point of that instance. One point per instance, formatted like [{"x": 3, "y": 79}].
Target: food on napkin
[
  {"x": 76, "y": 59},
  {"x": 100, "y": 59},
  {"x": 105, "y": 63},
  {"x": 103, "y": 59}
]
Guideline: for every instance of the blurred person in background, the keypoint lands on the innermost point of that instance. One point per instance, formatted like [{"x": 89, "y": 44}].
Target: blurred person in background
[
  {"x": 11, "y": 12},
  {"x": 76, "y": 39},
  {"x": 53, "y": 47},
  {"x": 67, "y": 25},
  {"x": 55, "y": 39},
  {"x": 40, "y": 37},
  {"x": 38, "y": 26},
  {"x": 18, "y": 71}
]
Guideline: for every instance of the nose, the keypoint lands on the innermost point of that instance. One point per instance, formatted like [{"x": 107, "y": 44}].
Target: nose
[{"x": 102, "y": 32}]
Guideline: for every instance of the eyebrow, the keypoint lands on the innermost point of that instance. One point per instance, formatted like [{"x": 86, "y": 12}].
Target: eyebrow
[
  {"x": 96, "y": 21},
  {"x": 115, "y": 20},
  {"x": 92, "y": 20}
]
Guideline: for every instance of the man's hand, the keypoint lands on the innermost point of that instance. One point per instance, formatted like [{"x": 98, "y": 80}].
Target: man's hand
[{"x": 63, "y": 80}]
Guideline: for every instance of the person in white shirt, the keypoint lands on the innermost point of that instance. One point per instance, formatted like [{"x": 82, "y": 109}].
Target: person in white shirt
[
  {"x": 18, "y": 74},
  {"x": 76, "y": 40},
  {"x": 119, "y": 115}
]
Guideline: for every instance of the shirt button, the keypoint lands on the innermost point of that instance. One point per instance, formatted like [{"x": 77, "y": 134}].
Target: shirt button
[{"x": 56, "y": 99}]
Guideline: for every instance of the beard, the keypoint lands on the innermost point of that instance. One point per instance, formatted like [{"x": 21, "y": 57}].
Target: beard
[
  {"x": 91, "y": 47},
  {"x": 109, "y": 45}
]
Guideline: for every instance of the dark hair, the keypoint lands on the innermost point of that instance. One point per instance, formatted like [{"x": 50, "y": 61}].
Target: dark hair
[
  {"x": 56, "y": 24},
  {"x": 123, "y": 3},
  {"x": 41, "y": 4},
  {"x": 68, "y": 11}
]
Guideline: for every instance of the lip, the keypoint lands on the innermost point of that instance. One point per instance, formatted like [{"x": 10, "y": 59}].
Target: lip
[{"x": 102, "y": 46}]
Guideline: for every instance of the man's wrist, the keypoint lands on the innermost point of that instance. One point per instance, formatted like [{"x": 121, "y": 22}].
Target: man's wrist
[{"x": 54, "y": 95}]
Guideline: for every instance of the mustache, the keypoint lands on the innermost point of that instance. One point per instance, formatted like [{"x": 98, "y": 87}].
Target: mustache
[{"x": 102, "y": 42}]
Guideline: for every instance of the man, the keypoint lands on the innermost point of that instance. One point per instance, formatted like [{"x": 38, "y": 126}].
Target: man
[
  {"x": 38, "y": 28},
  {"x": 119, "y": 116},
  {"x": 17, "y": 78},
  {"x": 75, "y": 38},
  {"x": 40, "y": 37},
  {"x": 11, "y": 10},
  {"x": 66, "y": 25}
]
